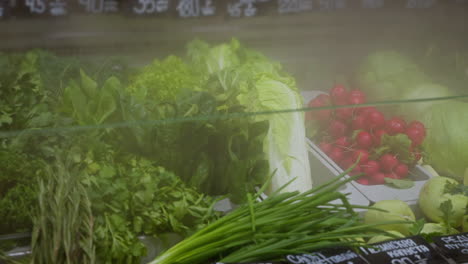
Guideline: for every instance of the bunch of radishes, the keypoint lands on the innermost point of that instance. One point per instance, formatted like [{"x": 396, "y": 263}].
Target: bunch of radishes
[{"x": 350, "y": 133}]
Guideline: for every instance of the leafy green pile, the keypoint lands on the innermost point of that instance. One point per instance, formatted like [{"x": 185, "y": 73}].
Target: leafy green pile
[
  {"x": 18, "y": 190},
  {"x": 131, "y": 196},
  {"x": 145, "y": 151}
]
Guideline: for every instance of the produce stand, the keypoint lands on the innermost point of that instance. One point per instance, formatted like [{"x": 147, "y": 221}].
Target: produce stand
[{"x": 233, "y": 131}]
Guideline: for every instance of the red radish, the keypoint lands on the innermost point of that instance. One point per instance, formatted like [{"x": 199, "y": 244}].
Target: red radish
[
  {"x": 321, "y": 115},
  {"x": 395, "y": 126},
  {"x": 339, "y": 95},
  {"x": 355, "y": 171},
  {"x": 392, "y": 175},
  {"x": 416, "y": 135},
  {"x": 370, "y": 167},
  {"x": 375, "y": 119},
  {"x": 359, "y": 122},
  {"x": 363, "y": 181},
  {"x": 346, "y": 163},
  {"x": 337, "y": 128},
  {"x": 361, "y": 154},
  {"x": 344, "y": 113},
  {"x": 365, "y": 110},
  {"x": 336, "y": 154},
  {"x": 356, "y": 97},
  {"x": 325, "y": 147},
  {"x": 418, "y": 125},
  {"x": 401, "y": 170},
  {"x": 343, "y": 142},
  {"x": 364, "y": 140},
  {"x": 388, "y": 162},
  {"x": 378, "y": 136},
  {"x": 324, "y": 98},
  {"x": 377, "y": 178},
  {"x": 416, "y": 154}
]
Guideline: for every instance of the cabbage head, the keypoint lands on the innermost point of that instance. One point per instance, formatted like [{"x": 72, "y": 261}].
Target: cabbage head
[
  {"x": 386, "y": 75},
  {"x": 415, "y": 110},
  {"x": 446, "y": 144}
]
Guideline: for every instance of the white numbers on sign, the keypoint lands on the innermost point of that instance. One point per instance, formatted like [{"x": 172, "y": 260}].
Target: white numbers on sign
[
  {"x": 192, "y": 8},
  {"x": 242, "y": 7},
  {"x": 58, "y": 8},
  {"x": 372, "y": 3},
  {"x": 100, "y": 6},
  {"x": 420, "y": 3},
  {"x": 294, "y": 6},
  {"x": 331, "y": 4},
  {"x": 36, "y": 6},
  {"x": 151, "y": 6}
]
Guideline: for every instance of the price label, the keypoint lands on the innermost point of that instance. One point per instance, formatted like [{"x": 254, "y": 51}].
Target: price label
[
  {"x": 36, "y": 6},
  {"x": 326, "y": 5},
  {"x": 251, "y": 263},
  {"x": 335, "y": 256},
  {"x": 58, "y": 8},
  {"x": 151, "y": 6},
  {"x": 195, "y": 8},
  {"x": 411, "y": 250},
  {"x": 100, "y": 6},
  {"x": 453, "y": 246},
  {"x": 294, "y": 6},
  {"x": 241, "y": 8},
  {"x": 420, "y": 3}
]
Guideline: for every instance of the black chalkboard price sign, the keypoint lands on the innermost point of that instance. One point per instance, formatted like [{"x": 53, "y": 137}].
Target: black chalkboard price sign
[
  {"x": 410, "y": 250},
  {"x": 250, "y": 263},
  {"x": 454, "y": 246},
  {"x": 333, "y": 255}
]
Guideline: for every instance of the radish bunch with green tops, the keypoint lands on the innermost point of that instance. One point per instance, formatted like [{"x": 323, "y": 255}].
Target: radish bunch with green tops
[{"x": 386, "y": 147}]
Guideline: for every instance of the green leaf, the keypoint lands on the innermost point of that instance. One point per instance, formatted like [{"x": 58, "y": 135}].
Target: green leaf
[
  {"x": 446, "y": 208},
  {"x": 88, "y": 85},
  {"x": 5, "y": 119},
  {"x": 106, "y": 106},
  {"x": 78, "y": 100},
  {"x": 107, "y": 172},
  {"x": 400, "y": 184},
  {"x": 400, "y": 145},
  {"x": 416, "y": 228}
]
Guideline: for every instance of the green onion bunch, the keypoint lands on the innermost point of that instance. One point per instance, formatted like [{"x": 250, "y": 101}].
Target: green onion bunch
[{"x": 284, "y": 223}]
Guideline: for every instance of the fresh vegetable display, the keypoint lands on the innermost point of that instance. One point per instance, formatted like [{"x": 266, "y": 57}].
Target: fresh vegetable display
[
  {"x": 386, "y": 148},
  {"x": 100, "y": 162}
]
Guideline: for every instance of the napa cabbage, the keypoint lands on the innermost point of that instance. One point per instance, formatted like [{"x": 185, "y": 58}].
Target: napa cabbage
[{"x": 259, "y": 85}]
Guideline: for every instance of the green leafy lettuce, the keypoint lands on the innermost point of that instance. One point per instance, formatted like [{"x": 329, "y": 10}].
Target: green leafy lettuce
[{"x": 446, "y": 143}]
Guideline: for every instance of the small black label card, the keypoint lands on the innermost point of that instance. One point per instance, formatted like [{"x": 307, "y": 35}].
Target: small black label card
[
  {"x": 250, "y": 263},
  {"x": 453, "y": 246},
  {"x": 410, "y": 250},
  {"x": 328, "y": 256}
]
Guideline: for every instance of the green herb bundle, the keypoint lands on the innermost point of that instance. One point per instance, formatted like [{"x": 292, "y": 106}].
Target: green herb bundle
[
  {"x": 284, "y": 223},
  {"x": 63, "y": 222}
]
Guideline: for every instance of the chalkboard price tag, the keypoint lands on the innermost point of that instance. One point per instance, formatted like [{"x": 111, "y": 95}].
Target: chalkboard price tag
[
  {"x": 250, "y": 263},
  {"x": 453, "y": 246},
  {"x": 325, "y": 256},
  {"x": 410, "y": 250}
]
